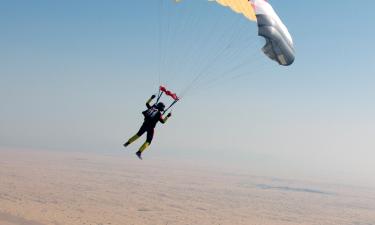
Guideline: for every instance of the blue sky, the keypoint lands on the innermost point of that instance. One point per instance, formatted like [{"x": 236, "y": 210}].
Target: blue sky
[{"x": 75, "y": 75}]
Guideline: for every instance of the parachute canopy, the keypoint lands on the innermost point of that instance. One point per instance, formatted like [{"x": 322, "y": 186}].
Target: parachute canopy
[
  {"x": 279, "y": 44},
  {"x": 239, "y": 6}
]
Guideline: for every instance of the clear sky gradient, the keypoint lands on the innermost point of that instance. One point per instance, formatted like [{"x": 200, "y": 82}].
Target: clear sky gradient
[{"x": 75, "y": 76}]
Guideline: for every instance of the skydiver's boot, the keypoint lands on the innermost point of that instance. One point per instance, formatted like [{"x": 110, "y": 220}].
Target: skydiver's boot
[
  {"x": 131, "y": 140},
  {"x": 141, "y": 149},
  {"x": 139, "y": 154}
]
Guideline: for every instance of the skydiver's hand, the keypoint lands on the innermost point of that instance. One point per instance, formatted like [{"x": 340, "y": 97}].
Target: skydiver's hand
[
  {"x": 169, "y": 115},
  {"x": 153, "y": 96}
]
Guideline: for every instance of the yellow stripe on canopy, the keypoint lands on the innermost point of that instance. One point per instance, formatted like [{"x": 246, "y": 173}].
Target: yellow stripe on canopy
[{"x": 239, "y": 6}]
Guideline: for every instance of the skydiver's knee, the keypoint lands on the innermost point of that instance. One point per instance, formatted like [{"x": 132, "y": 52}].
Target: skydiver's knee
[
  {"x": 149, "y": 139},
  {"x": 141, "y": 132}
]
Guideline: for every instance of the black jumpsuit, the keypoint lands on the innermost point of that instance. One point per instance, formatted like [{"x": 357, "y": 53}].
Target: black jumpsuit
[{"x": 152, "y": 117}]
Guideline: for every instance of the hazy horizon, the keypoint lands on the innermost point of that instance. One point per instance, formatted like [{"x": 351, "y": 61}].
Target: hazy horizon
[{"x": 42, "y": 188}]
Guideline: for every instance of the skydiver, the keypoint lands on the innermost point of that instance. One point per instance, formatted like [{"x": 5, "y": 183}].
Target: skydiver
[{"x": 153, "y": 114}]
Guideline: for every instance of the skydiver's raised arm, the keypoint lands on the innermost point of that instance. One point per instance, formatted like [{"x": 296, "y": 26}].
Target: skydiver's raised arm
[
  {"x": 164, "y": 120},
  {"x": 149, "y": 100}
]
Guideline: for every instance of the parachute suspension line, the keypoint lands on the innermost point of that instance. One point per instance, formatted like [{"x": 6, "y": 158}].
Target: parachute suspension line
[
  {"x": 248, "y": 74},
  {"x": 180, "y": 60},
  {"x": 230, "y": 56},
  {"x": 220, "y": 62},
  {"x": 190, "y": 55},
  {"x": 169, "y": 34},
  {"x": 205, "y": 63},
  {"x": 160, "y": 38},
  {"x": 165, "y": 28},
  {"x": 227, "y": 49},
  {"x": 227, "y": 75},
  {"x": 223, "y": 75},
  {"x": 169, "y": 28},
  {"x": 251, "y": 74},
  {"x": 205, "y": 42},
  {"x": 251, "y": 60},
  {"x": 220, "y": 53},
  {"x": 177, "y": 31},
  {"x": 260, "y": 70},
  {"x": 160, "y": 93},
  {"x": 164, "y": 34},
  {"x": 221, "y": 40},
  {"x": 197, "y": 77},
  {"x": 170, "y": 106},
  {"x": 231, "y": 51}
]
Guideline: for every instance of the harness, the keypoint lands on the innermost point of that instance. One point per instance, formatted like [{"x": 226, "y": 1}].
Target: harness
[{"x": 151, "y": 113}]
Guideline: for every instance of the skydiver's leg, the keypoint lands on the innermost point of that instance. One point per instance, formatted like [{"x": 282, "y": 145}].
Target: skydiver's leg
[
  {"x": 131, "y": 140},
  {"x": 141, "y": 131},
  {"x": 150, "y": 135}
]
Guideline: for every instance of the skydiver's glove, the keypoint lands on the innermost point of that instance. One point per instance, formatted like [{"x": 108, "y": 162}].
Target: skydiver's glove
[
  {"x": 169, "y": 115},
  {"x": 153, "y": 96}
]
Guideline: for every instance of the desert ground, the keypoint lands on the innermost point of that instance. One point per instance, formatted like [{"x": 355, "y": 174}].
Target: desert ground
[{"x": 57, "y": 188}]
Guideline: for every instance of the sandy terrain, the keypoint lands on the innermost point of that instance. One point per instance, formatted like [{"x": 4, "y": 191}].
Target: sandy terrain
[{"x": 38, "y": 188}]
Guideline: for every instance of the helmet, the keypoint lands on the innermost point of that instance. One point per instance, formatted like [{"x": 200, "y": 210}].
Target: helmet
[{"x": 160, "y": 106}]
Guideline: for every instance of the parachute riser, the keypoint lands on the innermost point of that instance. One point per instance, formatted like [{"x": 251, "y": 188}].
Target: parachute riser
[
  {"x": 159, "y": 96},
  {"x": 174, "y": 102}
]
